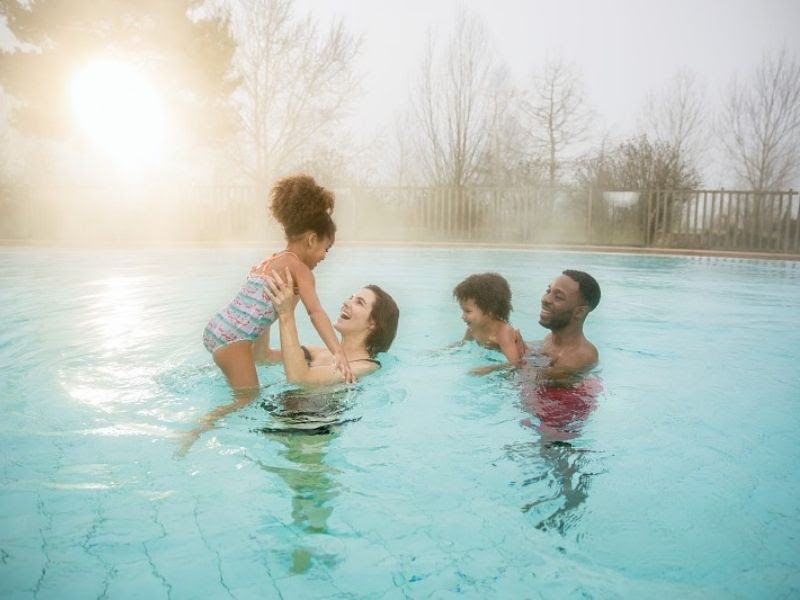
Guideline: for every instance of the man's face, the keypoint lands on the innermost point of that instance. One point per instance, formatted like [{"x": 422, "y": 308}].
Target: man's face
[{"x": 560, "y": 303}]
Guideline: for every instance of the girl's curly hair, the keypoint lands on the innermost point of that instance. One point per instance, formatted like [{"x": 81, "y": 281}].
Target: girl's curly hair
[{"x": 300, "y": 205}]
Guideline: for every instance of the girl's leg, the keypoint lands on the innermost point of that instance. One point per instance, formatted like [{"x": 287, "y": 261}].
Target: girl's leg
[{"x": 236, "y": 361}]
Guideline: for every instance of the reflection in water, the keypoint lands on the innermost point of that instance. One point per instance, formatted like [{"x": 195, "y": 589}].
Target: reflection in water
[
  {"x": 568, "y": 480},
  {"x": 304, "y": 424},
  {"x": 561, "y": 471}
]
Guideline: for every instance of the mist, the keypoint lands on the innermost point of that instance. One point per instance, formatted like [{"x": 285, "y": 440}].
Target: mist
[{"x": 172, "y": 128}]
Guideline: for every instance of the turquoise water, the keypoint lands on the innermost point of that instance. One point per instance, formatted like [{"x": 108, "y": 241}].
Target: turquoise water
[{"x": 682, "y": 482}]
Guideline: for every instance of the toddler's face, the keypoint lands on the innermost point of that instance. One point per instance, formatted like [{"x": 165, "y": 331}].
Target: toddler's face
[{"x": 471, "y": 314}]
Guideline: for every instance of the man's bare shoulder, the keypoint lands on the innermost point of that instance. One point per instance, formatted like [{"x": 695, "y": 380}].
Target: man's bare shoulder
[
  {"x": 582, "y": 356},
  {"x": 575, "y": 357}
]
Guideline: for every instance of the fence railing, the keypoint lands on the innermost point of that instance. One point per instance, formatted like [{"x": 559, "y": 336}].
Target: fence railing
[
  {"x": 724, "y": 220},
  {"x": 688, "y": 219}
]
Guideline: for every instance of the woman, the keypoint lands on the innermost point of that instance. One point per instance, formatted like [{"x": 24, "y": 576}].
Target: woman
[{"x": 367, "y": 325}]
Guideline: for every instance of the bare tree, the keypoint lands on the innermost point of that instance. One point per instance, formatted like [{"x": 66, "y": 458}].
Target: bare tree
[
  {"x": 675, "y": 116},
  {"x": 761, "y": 123},
  {"x": 296, "y": 83},
  {"x": 400, "y": 151},
  {"x": 556, "y": 115},
  {"x": 503, "y": 162},
  {"x": 451, "y": 103}
]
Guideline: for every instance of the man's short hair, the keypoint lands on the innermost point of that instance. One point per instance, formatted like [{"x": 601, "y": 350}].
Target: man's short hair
[
  {"x": 587, "y": 286},
  {"x": 490, "y": 291}
]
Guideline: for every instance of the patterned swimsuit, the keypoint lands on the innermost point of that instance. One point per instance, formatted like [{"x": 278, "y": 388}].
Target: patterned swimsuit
[{"x": 248, "y": 314}]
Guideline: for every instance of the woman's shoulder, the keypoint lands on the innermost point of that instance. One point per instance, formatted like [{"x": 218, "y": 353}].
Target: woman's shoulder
[
  {"x": 321, "y": 357},
  {"x": 316, "y": 353},
  {"x": 364, "y": 366}
]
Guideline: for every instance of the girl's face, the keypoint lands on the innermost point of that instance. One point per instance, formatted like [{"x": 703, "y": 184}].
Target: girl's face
[
  {"x": 317, "y": 249},
  {"x": 356, "y": 312}
]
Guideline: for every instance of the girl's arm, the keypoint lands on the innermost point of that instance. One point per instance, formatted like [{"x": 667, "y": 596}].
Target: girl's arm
[
  {"x": 294, "y": 363},
  {"x": 320, "y": 320}
]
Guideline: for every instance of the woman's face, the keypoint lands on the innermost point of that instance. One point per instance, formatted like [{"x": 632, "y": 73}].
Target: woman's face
[{"x": 356, "y": 311}]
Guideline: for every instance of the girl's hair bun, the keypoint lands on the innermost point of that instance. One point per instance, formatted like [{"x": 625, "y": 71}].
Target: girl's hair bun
[{"x": 300, "y": 205}]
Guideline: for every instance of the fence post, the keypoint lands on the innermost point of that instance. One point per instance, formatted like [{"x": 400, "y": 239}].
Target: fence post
[
  {"x": 792, "y": 194},
  {"x": 589, "y": 216}
]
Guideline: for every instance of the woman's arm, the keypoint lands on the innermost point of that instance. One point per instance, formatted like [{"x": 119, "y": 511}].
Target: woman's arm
[
  {"x": 262, "y": 353},
  {"x": 294, "y": 363},
  {"x": 320, "y": 320}
]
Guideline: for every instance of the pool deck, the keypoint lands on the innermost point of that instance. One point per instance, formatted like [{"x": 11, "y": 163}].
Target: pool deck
[
  {"x": 587, "y": 248},
  {"x": 500, "y": 246}
]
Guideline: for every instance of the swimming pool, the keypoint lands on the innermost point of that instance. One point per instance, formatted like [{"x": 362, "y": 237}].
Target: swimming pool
[{"x": 682, "y": 481}]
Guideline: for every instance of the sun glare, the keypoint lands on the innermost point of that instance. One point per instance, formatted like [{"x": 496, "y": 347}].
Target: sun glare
[{"x": 120, "y": 111}]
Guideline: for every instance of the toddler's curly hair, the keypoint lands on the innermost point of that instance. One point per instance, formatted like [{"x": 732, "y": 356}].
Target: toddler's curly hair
[{"x": 490, "y": 291}]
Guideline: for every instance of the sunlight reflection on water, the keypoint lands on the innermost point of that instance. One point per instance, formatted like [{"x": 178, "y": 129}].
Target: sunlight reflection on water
[{"x": 420, "y": 479}]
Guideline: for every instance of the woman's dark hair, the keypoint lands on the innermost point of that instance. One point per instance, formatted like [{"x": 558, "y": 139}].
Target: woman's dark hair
[
  {"x": 300, "y": 205},
  {"x": 587, "y": 286},
  {"x": 385, "y": 315},
  {"x": 490, "y": 292}
]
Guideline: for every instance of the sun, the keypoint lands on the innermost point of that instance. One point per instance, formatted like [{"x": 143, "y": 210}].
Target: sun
[{"x": 118, "y": 109}]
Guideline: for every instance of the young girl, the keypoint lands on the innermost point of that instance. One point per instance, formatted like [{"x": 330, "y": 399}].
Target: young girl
[
  {"x": 485, "y": 301},
  {"x": 304, "y": 209}
]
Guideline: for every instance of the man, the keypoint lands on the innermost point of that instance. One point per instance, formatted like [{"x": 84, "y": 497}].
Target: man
[{"x": 569, "y": 299}]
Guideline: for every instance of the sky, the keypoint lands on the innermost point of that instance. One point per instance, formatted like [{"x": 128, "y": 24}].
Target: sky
[{"x": 624, "y": 48}]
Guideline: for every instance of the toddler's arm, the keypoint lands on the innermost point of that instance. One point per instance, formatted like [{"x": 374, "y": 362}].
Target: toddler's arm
[{"x": 512, "y": 345}]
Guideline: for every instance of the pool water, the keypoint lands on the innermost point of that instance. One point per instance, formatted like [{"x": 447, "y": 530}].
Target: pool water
[{"x": 421, "y": 481}]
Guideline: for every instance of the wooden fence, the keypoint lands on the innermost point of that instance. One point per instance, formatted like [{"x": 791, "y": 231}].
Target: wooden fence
[{"x": 696, "y": 219}]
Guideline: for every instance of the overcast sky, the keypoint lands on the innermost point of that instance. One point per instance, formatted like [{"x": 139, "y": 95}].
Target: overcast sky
[{"x": 623, "y": 47}]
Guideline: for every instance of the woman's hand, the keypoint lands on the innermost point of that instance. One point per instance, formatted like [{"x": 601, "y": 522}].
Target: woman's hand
[
  {"x": 281, "y": 293},
  {"x": 341, "y": 364}
]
